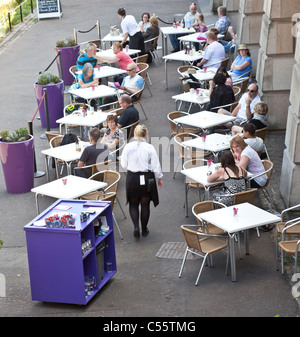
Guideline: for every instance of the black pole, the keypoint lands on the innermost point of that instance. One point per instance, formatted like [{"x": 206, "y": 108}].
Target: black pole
[
  {"x": 46, "y": 109},
  {"x": 37, "y": 174}
]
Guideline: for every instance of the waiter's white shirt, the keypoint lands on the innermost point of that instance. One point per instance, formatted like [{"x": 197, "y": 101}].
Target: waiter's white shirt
[
  {"x": 141, "y": 157},
  {"x": 129, "y": 25}
]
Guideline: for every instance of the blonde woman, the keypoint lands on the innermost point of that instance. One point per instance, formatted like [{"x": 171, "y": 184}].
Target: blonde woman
[
  {"x": 248, "y": 159},
  {"x": 140, "y": 160}
]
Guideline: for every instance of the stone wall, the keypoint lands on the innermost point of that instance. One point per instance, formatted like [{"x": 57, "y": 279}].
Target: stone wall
[
  {"x": 276, "y": 58},
  {"x": 290, "y": 173}
]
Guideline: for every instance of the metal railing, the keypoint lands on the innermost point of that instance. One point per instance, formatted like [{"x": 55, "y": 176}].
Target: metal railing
[{"x": 9, "y": 15}]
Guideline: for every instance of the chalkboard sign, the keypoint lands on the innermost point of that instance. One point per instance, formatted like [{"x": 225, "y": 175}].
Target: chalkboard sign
[{"x": 49, "y": 9}]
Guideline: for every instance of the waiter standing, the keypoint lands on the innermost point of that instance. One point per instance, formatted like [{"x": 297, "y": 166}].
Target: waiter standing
[{"x": 131, "y": 28}]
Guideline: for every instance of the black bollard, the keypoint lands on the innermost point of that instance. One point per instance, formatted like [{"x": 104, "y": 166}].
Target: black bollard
[{"x": 37, "y": 174}]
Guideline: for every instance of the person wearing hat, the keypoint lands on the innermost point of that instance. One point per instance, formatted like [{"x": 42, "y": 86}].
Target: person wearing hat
[{"x": 242, "y": 64}]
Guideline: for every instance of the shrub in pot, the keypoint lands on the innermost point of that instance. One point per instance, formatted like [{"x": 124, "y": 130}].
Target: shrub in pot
[
  {"x": 17, "y": 158},
  {"x": 69, "y": 52},
  {"x": 55, "y": 97}
]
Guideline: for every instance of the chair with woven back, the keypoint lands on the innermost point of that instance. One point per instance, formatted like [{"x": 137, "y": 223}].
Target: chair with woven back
[
  {"x": 130, "y": 129},
  {"x": 98, "y": 167},
  {"x": 224, "y": 63},
  {"x": 143, "y": 72},
  {"x": 97, "y": 42},
  {"x": 137, "y": 99},
  {"x": 112, "y": 179},
  {"x": 111, "y": 196},
  {"x": 289, "y": 216},
  {"x": 236, "y": 91},
  {"x": 202, "y": 245},
  {"x": 184, "y": 152},
  {"x": 153, "y": 50},
  {"x": 72, "y": 70}
]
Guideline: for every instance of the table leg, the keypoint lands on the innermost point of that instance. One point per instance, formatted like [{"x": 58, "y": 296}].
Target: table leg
[
  {"x": 37, "y": 203},
  {"x": 186, "y": 197},
  {"x": 47, "y": 167},
  {"x": 232, "y": 257},
  {"x": 166, "y": 74},
  {"x": 246, "y": 241}
]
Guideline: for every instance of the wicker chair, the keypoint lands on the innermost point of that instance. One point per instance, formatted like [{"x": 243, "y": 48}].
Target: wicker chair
[{"x": 202, "y": 245}]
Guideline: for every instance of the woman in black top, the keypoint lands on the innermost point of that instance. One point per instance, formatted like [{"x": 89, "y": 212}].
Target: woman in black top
[{"x": 220, "y": 94}]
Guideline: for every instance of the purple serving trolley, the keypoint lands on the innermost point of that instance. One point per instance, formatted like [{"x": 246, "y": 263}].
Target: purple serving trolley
[{"x": 57, "y": 266}]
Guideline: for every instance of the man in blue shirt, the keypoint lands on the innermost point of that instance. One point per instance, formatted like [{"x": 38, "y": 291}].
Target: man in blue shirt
[
  {"x": 132, "y": 82},
  {"x": 88, "y": 57},
  {"x": 223, "y": 22}
]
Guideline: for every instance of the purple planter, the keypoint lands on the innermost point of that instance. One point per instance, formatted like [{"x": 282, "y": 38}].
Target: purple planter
[
  {"x": 69, "y": 56},
  {"x": 55, "y": 95},
  {"x": 18, "y": 165}
]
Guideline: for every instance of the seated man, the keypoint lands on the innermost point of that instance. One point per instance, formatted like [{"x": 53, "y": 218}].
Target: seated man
[
  {"x": 130, "y": 114},
  {"x": 95, "y": 153},
  {"x": 214, "y": 53},
  {"x": 244, "y": 110},
  {"x": 132, "y": 82},
  {"x": 88, "y": 57},
  {"x": 191, "y": 17},
  {"x": 223, "y": 22}
]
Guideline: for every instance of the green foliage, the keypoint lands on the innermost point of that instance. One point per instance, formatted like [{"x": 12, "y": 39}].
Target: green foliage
[
  {"x": 1, "y": 243},
  {"x": 19, "y": 135},
  {"x": 47, "y": 78},
  {"x": 68, "y": 42}
]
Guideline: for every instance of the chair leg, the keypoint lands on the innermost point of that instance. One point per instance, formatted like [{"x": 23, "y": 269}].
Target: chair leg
[
  {"x": 183, "y": 262},
  {"x": 282, "y": 269},
  {"x": 257, "y": 231},
  {"x": 121, "y": 207},
  {"x": 200, "y": 271},
  {"x": 149, "y": 79},
  {"x": 176, "y": 167},
  {"x": 149, "y": 89},
  {"x": 114, "y": 218},
  {"x": 143, "y": 110}
]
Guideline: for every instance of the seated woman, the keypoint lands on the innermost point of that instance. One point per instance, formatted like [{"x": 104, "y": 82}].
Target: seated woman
[
  {"x": 120, "y": 57},
  {"x": 242, "y": 63},
  {"x": 219, "y": 92},
  {"x": 112, "y": 135},
  {"x": 249, "y": 160},
  {"x": 87, "y": 79},
  {"x": 151, "y": 32},
  {"x": 225, "y": 73},
  {"x": 233, "y": 177},
  {"x": 145, "y": 23},
  {"x": 259, "y": 119}
]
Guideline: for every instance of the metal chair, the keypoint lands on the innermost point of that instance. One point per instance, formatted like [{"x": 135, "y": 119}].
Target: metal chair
[
  {"x": 98, "y": 167},
  {"x": 291, "y": 247},
  {"x": 286, "y": 221},
  {"x": 202, "y": 245},
  {"x": 143, "y": 73},
  {"x": 112, "y": 179},
  {"x": 136, "y": 99},
  {"x": 130, "y": 129},
  {"x": 153, "y": 50},
  {"x": 72, "y": 72},
  {"x": 268, "y": 166},
  {"x": 183, "y": 154},
  {"x": 111, "y": 196}
]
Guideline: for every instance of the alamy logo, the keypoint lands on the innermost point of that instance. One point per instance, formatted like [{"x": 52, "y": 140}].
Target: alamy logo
[
  {"x": 2, "y": 285},
  {"x": 296, "y": 27}
]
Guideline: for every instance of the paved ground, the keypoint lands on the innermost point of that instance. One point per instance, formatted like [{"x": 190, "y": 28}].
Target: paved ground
[{"x": 144, "y": 285}]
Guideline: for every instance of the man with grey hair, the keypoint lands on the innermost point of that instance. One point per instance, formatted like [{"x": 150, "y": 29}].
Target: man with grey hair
[
  {"x": 133, "y": 82},
  {"x": 88, "y": 57},
  {"x": 223, "y": 22}
]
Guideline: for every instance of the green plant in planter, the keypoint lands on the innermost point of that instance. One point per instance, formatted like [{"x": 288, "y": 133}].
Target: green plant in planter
[
  {"x": 19, "y": 135},
  {"x": 68, "y": 42},
  {"x": 47, "y": 78}
]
